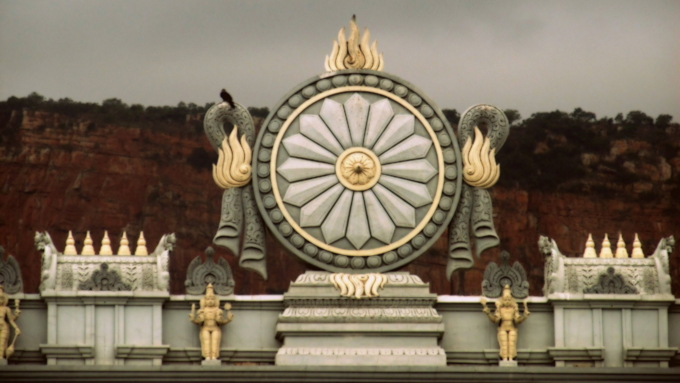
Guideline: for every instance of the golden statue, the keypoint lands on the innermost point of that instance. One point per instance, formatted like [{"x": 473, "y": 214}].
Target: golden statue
[
  {"x": 507, "y": 316},
  {"x": 7, "y": 316},
  {"x": 210, "y": 317}
]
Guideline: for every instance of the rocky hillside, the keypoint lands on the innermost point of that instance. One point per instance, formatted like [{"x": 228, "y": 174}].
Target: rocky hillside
[{"x": 87, "y": 169}]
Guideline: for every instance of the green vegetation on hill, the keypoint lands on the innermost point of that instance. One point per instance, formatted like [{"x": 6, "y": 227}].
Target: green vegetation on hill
[{"x": 551, "y": 151}]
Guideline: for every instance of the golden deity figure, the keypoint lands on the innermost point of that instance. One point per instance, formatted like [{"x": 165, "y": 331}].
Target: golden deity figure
[
  {"x": 7, "y": 316},
  {"x": 507, "y": 317},
  {"x": 210, "y": 317}
]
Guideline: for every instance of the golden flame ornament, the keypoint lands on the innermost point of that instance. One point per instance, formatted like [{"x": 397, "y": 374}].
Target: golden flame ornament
[
  {"x": 479, "y": 163},
  {"x": 355, "y": 53},
  {"x": 233, "y": 165}
]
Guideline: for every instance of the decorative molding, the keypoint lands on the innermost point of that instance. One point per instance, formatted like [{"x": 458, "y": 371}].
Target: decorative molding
[
  {"x": 104, "y": 280},
  {"x": 649, "y": 354},
  {"x": 358, "y": 285},
  {"x": 594, "y": 354},
  {"x": 495, "y": 278},
  {"x": 611, "y": 283},
  {"x": 128, "y": 351},
  {"x": 342, "y": 351},
  {"x": 199, "y": 275},
  {"x": 227, "y": 355},
  {"x": 69, "y": 272},
  {"x": 358, "y": 303},
  {"x": 21, "y": 356},
  {"x": 10, "y": 274},
  {"x": 490, "y": 357},
  {"x": 563, "y": 275},
  {"x": 61, "y": 351},
  {"x": 323, "y": 277},
  {"x": 335, "y": 315}
]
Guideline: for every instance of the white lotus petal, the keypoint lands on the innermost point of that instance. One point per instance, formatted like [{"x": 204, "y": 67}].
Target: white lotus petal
[
  {"x": 413, "y": 192},
  {"x": 378, "y": 117},
  {"x": 299, "y": 193},
  {"x": 401, "y": 126},
  {"x": 313, "y": 213},
  {"x": 335, "y": 225},
  {"x": 356, "y": 110},
  {"x": 379, "y": 221},
  {"x": 295, "y": 169},
  {"x": 410, "y": 149},
  {"x": 302, "y": 147},
  {"x": 313, "y": 128},
  {"x": 357, "y": 231},
  {"x": 418, "y": 170},
  {"x": 333, "y": 115},
  {"x": 402, "y": 213}
]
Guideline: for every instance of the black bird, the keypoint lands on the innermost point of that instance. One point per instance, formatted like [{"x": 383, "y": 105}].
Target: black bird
[{"x": 226, "y": 97}]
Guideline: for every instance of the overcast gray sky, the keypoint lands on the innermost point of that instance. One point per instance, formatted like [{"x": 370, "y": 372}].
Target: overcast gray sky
[{"x": 603, "y": 56}]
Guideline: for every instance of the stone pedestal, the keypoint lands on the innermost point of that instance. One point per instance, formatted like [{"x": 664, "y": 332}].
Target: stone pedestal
[
  {"x": 211, "y": 362},
  {"x": 507, "y": 363},
  {"x": 3, "y": 362},
  {"x": 321, "y": 327}
]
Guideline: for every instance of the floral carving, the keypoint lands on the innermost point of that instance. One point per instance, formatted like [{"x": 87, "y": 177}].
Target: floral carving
[
  {"x": 105, "y": 280},
  {"x": 358, "y": 169},
  {"x": 611, "y": 283}
]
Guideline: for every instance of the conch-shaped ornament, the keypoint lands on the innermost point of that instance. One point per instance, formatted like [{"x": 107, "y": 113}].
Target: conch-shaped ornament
[
  {"x": 233, "y": 165},
  {"x": 354, "y": 53},
  {"x": 241, "y": 229},
  {"x": 474, "y": 214}
]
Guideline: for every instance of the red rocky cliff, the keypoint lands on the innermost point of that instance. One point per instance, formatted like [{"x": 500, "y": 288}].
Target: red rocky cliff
[{"x": 60, "y": 173}]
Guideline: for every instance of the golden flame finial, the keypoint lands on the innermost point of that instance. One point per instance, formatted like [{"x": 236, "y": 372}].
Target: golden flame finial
[
  {"x": 355, "y": 52},
  {"x": 233, "y": 165},
  {"x": 479, "y": 163}
]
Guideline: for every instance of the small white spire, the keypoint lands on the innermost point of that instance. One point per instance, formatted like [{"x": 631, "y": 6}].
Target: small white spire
[
  {"x": 141, "y": 245},
  {"x": 88, "y": 249},
  {"x": 124, "y": 249},
  {"x": 106, "y": 245},
  {"x": 606, "y": 251},
  {"x": 70, "y": 245},
  {"x": 637, "y": 248},
  {"x": 590, "y": 248}
]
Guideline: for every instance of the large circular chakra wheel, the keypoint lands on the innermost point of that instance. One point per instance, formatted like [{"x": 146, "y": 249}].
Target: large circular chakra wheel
[{"x": 356, "y": 172}]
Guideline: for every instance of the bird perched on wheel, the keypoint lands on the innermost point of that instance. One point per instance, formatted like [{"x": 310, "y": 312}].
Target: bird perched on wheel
[{"x": 226, "y": 97}]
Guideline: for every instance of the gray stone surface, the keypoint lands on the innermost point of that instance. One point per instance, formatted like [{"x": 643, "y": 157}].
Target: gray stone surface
[
  {"x": 417, "y": 170},
  {"x": 314, "y": 213},
  {"x": 320, "y": 327},
  {"x": 357, "y": 229},
  {"x": 414, "y": 193},
  {"x": 507, "y": 363},
  {"x": 402, "y": 213},
  {"x": 356, "y": 112},
  {"x": 381, "y": 226},
  {"x": 339, "y": 109},
  {"x": 495, "y": 278},
  {"x": 313, "y": 128},
  {"x": 380, "y": 115},
  {"x": 211, "y": 363},
  {"x": 296, "y": 169},
  {"x": 302, "y": 147},
  {"x": 10, "y": 274},
  {"x": 333, "y": 115},
  {"x": 200, "y": 274},
  {"x": 411, "y": 148},
  {"x": 401, "y": 126},
  {"x": 299, "y": 193},
  {"x": 335, "y": 226}
]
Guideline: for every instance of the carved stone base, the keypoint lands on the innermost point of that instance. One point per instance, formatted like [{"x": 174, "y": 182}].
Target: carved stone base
[
  {"x": 400, "y": 327},
  {"x": 507, "y": 363},
  {"x": 211, "y": 362}
]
